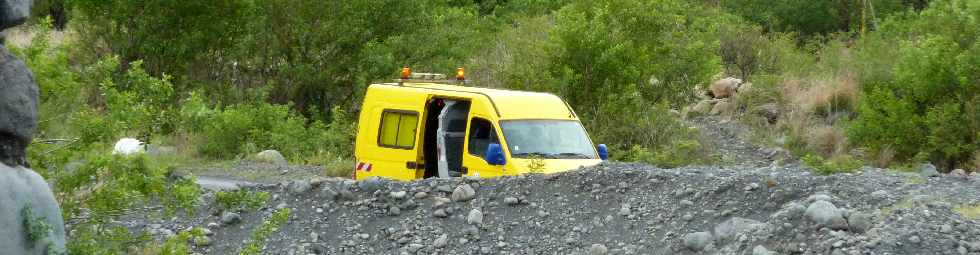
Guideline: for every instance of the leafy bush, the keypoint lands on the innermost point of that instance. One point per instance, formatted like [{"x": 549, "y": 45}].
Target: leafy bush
[
  {"x": 930, "y": 103},
  {"x": 839, "y": 164},
  {"x": 676, "y": 154},
  {"x": 138, "y": 102},
  {"x": 241, "y": 199},
  {"x": 248, "y": 128},
  {"x": 614, "y": 47}
]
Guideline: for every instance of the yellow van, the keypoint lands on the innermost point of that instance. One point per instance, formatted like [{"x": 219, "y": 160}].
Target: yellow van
[{"x": 423, "y": 126}]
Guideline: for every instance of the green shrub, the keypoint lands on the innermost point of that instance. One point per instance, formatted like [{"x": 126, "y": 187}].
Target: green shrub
[
  {"x": 923, "y": 108},
  {"x": 615, "y": 48},
  {"x": 678, "y": 153},
  {"x": 138, "y": 103},
  {"x": 248, "y": 128},
  {"x": 839, "y": 164},
  {"x": 241, "y": 199}
]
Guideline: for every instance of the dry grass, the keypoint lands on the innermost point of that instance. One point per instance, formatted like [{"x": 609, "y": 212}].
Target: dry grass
[
  {"x": 827, "y": 140},
  {"x": 822, "y": 96},
  {"x": 22, "y": 36},
  {"x": 885, "y": 157}
]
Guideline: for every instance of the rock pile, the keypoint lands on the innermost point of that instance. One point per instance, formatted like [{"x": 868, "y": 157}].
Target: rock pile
[
  {"x": 27, "y": 203},
  {"x": 720, "y": 99},
  {"x": 615, "y": 209}
]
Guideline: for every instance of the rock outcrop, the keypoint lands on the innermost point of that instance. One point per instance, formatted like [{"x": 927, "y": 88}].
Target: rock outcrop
[
  {"x": 18, "y": 108},
  {"x": 14, "y": 12},
  {"x": 29, "y": 214}
]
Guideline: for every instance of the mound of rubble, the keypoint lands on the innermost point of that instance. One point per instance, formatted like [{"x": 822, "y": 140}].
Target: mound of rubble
[{"x": 613, "y": 208}]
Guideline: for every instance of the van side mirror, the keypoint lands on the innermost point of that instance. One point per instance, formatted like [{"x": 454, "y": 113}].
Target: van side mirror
[
  {"x": 603, "y": 151},
  {"x": 495, "y": 155}
]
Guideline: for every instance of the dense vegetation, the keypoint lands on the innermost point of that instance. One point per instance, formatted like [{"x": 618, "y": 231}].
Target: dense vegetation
[{"x": 881, "y": 81}]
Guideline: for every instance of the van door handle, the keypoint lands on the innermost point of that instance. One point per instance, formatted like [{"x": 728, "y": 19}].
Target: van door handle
[{"x": 411, "y": 165}]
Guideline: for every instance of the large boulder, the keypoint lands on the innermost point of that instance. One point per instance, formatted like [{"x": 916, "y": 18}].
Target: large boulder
[
  {"x": 272, "y": 157},
  {"x": 14, "y": 12},
  {"x": 27, "y": 201},
  {"x": 725, "y": 88},
  {"x": 928, "y": 170},
  {"x": 18, "y": 108}
]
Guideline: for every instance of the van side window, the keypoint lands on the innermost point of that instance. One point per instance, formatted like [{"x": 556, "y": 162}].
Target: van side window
[
  {"x": 398, "y": 129},
  {"x": 480, "y": 136}
]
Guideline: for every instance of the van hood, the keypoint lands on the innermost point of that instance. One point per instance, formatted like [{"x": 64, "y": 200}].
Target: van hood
[{"x": 552, "y": 165}]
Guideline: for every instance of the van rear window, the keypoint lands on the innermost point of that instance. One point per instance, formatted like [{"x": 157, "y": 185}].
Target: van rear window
[{"x": 398, "y": 129}]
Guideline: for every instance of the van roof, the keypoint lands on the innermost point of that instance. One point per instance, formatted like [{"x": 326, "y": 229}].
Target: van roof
[{"x": 509, "y": 104}]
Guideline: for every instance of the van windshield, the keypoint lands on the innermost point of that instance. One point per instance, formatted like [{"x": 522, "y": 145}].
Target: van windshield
[{"x": 553, "y": 139}]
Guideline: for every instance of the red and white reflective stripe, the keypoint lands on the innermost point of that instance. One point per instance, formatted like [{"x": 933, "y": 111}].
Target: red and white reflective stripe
[{"x": 363, "y": 167}]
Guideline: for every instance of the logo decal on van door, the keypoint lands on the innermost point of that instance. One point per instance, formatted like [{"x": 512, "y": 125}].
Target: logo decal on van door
[{"x": 363, "y": 167}]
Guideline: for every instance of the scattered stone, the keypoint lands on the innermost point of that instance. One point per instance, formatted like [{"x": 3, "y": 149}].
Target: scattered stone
[
  {"x": 859, "y": 222},
  {"x": 697, "y": 241},
  {"x": 414, "y": 248},
  {"x": 731, "y": 228},
  {"x": 624, "y": 210},
  {"x": 475, "y": 217},
  {"x": 463, "y": 193},
  {"x": 440, "y": 213},
  {"x": 512, "y": 201},
  {"x": 230, "y": 218},
  {"x": 761, "y": 250},
  {"x": 421, "y": 195},
  {"x": 825, "y": 213},
  {"x": 299, "y": 187},
  {"x": 598, "y": 249},
  {"x": 371, "y": 184},
  {"x": 915, "y": 239},
  {"x": 398, "y": 194},
  {"x": 441, "y": 242}
]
